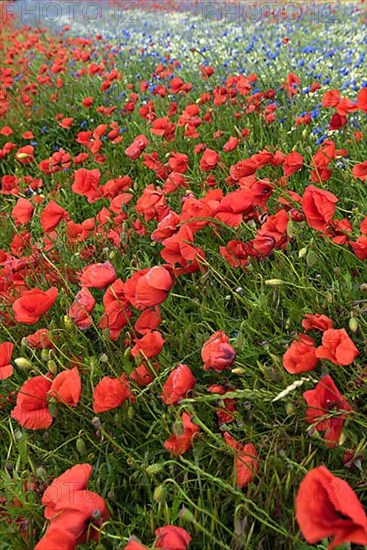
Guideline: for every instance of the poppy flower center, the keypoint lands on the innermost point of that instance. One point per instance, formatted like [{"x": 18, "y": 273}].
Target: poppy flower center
[{"x": 332, "y": 405}]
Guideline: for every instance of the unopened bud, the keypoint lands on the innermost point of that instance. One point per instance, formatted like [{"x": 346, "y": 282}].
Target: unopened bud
[
  {"x": 68, "y": 324},
  {"x": 187, "y": 515},
  {"x": 52, "y": 367},
  {"x": 154, "y": 469},
  {"x": 160, "y": 494},
  {"x": 275, "y": 282},
  {"x": 353, "y": 324},
  {"x": 45, "y": 355},
  {"x": 23, "y": 363},
  {"x": 238, "y": 370},
  {"x": 80, "y": 446},
  {"x": 41, "y": 472}
]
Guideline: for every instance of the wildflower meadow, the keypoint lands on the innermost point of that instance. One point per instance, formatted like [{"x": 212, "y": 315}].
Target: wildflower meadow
[{"x": 183, "y": 282}]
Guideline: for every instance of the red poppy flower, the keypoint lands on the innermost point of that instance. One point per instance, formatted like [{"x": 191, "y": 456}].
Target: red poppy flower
[
  {"x": 337, "y": 347},
  {"x": 75, "y": 512},
  {"x": 149, "y": 320},
  {"x": 80, "y": 310},
  {"x": 74, "y": 479},
  {"x": 137, "y": 147},
  {"x": 360, "y": 247},
  {"x": 172, "y": 538},
  {"x": 231, "y": 144},
  {"x": 177, "y": 249},
  {"x": 86, "y": 183},
  {"x": 57, "y": 539},
  {"x": 117, "y": 312},
  {"x": 25, "y": 154},
  {"x": 31, "y": 410},
  {"x": 134, "y": 544},
  {"x": 292, "y": 163},
  {"x": 22, "y": 211},
  {"x": 181, "y": 441},
  {"x": 246, "y": 463},
  {"x": 317, "y": 322},
  {"x": 30, "y": 307},
  {"x": 319, "y": 207},
  {"x": 360, "y": 170},
  {"x": 331, "y": 98},
  {"x": 152, "y": 204},
  {"x": 66, "y": 387},
  {"x": 301, "y": 355},
  {"x": 209, "y": 160},
  {"x": 110, "y": 393},
  {"x": 39, "y": 339},
  {"x": 71, "y": 508},
  {"x": 98, "y": 275},
  {"x": 144, "y": 374},
  {"x": 152, "y": 287},
  {"x": 52, "y": 216},
  {"x": 163, "y": 127},
  {"x": 326, "y": 506},
  {"x": 217, "y": 353},
  {"x": 179, "y": 382},
  {"x": 362, "y": 100},
  {"x": 149, "y": 345},
  {"x": 323, "y": 400},
  {"x": 6, "y": 369},
  {"x": 224, "y": 413}
]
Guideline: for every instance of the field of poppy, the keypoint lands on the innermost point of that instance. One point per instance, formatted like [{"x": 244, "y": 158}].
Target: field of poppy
[{"x": 183, "y": 290}]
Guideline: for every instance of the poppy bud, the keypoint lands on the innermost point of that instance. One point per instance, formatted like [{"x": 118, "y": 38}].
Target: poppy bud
[
  {"x": 238, "y": 370},
  {"x": 45, "y": 354},
  {"x": 41, "y": 472},
  {"x": 160, "y": 494},
  {"x": 18, "y": 435},
  {"x": 274, "y": 282},
  {"x": 23, "y": 363},
  {"x": 68, "y": 323},
  {"x": 52, "y": 367},
  {"x": 154, "y": 469},
  {"x": 186, "y": 515},
  {"x": 103, "y": 358},
  {"x": 302, "y": 252},
  {"x": 80, "y": 446},
  {"x": 130, "y": 412},
  {"x": 353, "y": 324}
]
